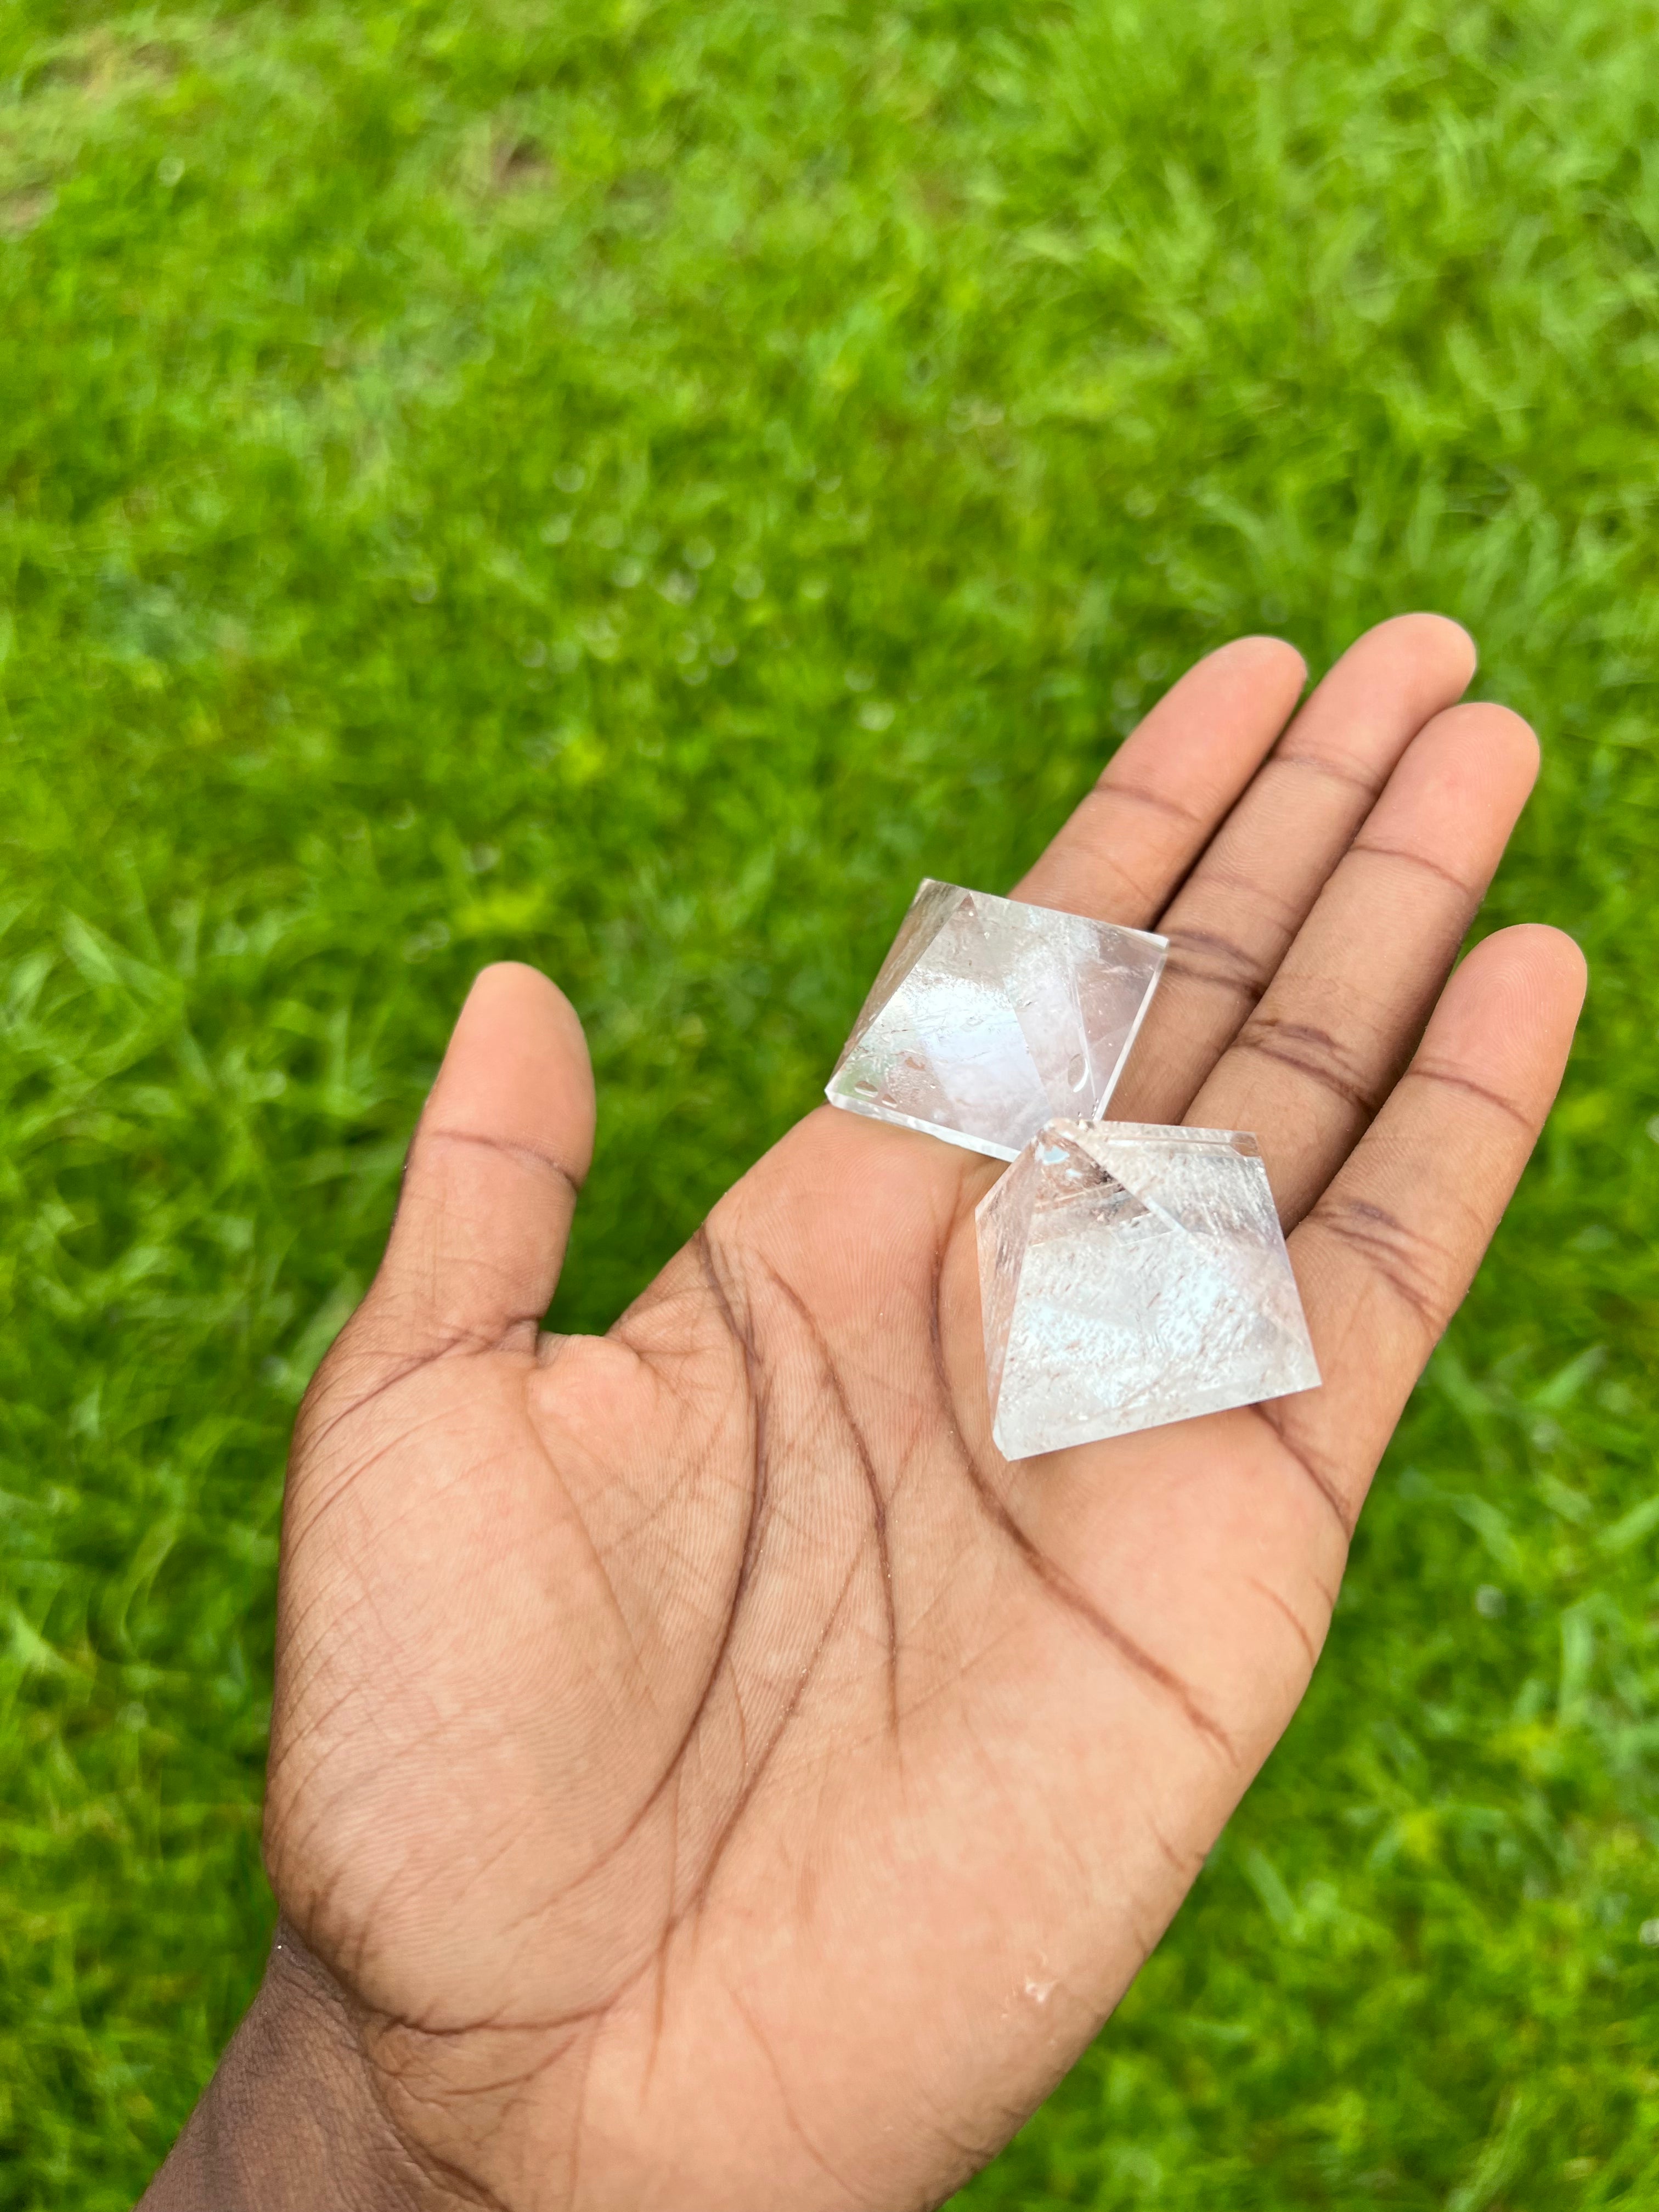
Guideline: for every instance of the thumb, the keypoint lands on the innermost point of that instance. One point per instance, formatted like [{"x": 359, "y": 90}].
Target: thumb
[{"x": 490, "y": 1185}]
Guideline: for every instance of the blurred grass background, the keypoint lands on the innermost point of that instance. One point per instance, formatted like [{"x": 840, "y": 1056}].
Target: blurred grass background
[{"x": 632, "y": 486}]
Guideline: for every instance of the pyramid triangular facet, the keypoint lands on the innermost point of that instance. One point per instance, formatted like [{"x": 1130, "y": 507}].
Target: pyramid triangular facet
[
  {"x": 946, "y": 1052},
  {"x": 924, "y": 918}
]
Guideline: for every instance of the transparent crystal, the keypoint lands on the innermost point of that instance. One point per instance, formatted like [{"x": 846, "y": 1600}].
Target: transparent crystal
[
  {"x": 989, "y": 1017},
  {"x": 1131, "y": 1275}
]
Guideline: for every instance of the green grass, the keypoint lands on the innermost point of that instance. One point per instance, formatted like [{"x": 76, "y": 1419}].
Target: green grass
[{"x": 632, "y": 486}]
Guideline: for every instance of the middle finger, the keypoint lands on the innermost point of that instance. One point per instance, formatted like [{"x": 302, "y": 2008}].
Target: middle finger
[
  {"x": 1342, "y": 1015},
  {"x": 1232, "y": 921}
]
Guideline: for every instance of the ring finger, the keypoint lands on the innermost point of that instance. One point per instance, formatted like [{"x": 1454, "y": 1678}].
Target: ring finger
[{"x": 1233, "y": 920}]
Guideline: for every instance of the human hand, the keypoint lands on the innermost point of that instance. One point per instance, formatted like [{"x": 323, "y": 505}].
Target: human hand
[{"x": 704, "y": 1774}]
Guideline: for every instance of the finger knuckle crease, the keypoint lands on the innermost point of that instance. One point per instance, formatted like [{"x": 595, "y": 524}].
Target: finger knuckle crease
[
  {"x": 1406, "y": 857},
  {"x": 1411, "y": 1263},
  {"x": 1452, "y": 1079},
  {"x": 1332, "y": 771},
  {"x": 1110, "y": 786},
  {"x": 1203, "y": 956},
  {"x": 1313, "y": 1052}
]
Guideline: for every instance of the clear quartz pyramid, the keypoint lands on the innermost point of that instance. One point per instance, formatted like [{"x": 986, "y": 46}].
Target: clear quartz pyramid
[
  {"x": 990, "y": 1016},
  {"x": 1131, "y": 1275}
]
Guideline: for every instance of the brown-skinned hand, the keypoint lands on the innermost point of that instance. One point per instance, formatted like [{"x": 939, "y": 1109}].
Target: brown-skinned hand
[{"x": 705, "y": 1776}]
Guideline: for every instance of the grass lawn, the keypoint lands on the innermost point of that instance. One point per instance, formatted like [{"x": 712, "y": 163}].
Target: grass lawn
[{"x": 632, "y": 484}]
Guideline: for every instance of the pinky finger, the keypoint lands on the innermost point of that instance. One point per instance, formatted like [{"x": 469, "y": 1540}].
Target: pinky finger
[{"x": 1385, "y": 1257}]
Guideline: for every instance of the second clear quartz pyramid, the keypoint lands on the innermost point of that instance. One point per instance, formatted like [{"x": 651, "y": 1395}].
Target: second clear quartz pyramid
[{"x": 1131, "y": 1275}]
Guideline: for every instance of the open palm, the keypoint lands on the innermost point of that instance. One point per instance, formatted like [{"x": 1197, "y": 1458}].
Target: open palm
[{"x": 712, "y": 1777}]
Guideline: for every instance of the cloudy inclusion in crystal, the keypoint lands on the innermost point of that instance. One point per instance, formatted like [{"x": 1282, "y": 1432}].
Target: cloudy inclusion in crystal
[
  {"x": 1130, "y": 1275},
  {"x": 989, "y": 1017}
]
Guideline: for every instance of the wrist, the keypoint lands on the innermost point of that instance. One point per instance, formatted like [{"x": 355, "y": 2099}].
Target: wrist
[{"x": 291, "y": 2118}]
